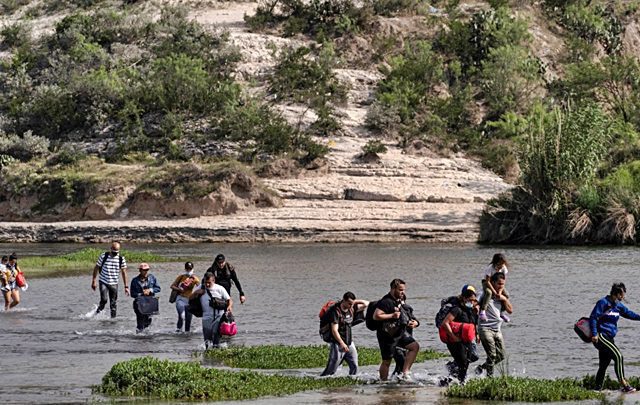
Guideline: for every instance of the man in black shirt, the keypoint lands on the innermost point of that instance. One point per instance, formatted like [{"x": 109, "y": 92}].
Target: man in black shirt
[
  {"x": 391, "y": 333},
  {"x": 337, "y": 323}
]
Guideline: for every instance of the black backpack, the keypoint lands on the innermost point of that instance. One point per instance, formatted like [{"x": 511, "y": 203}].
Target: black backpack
[
  {"x": 446, "y": 305},
  {"x": 195, "y": 307},
  {"x": 371, "y": 323},
  {"x": 104, "y": 260}
]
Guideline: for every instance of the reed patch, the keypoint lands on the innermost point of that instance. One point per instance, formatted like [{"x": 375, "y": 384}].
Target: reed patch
[{"x": 278, "y": 357}]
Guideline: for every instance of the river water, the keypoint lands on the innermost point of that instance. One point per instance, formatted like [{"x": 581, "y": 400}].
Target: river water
[{"x": 53, "y": 352}]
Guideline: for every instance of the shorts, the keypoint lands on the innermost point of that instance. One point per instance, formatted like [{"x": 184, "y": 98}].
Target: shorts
[
  {"x": 388, "y": 346},
  {"x": 10, "y": 286}
]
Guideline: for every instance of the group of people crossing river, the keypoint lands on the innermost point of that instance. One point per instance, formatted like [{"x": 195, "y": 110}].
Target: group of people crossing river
[
  {"x": 208, "y": 298},
  {"x": 463, "y": 320}
]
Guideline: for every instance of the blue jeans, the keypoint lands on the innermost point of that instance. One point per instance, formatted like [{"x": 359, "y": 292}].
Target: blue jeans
[
  {"x": 184, "y": 316},
  {"x": 336, "y": 356},
  {"x": 211, "y": 327}
]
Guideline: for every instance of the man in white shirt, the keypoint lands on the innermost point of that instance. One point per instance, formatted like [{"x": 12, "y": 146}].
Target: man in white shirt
[
  {"x": 215, "y": 302},
  {"x": 490, "y": 329},
  {"x": 109, "y": 265}
]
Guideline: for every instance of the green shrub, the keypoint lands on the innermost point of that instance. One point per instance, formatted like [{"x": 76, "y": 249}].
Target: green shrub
[
  {"x": 594, "y": 22},
  {"x": 389, "y": 8},
  {"x": 166, "y": 379},
  {"x": 374, "y": 146},
  {"x": 25, "y": 147},
  {"x": 523, "y": 390},
  {"x": 625, "y": 178},
  {"x": 510, "y": 79},
  {"x": 472, "y": 41},
  {"x": 305, "y": 76},
  {"x": 66, "y": 156},
  {"x": 321, "y": 19},
  {"x": 9, "y": 6},
  {"x": 410, "y": 80},
  {"x": 15, "y": 35}
]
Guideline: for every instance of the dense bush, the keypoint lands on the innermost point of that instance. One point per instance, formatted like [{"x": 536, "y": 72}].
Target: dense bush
[
  {"x": 139, "y": 81},
  {"x": 23, "y": 147},
  {"x": 319, "y": 18}
]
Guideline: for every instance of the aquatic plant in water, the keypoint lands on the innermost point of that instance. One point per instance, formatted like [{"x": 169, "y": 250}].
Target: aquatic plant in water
[
  {"x": 166, "y": 379},
  {"x": 287, "y": 357},
  {"x": 523, "y": 389},
  {"x": 82, "y": 260}
]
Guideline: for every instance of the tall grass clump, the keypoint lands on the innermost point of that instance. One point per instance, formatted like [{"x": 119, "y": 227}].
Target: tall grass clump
[
  {"x": 164, "y": 379},
  {"x": 293, "y": 357},
  {"x": 82, "y": 260},
  {"x": 560, "y": 154}
]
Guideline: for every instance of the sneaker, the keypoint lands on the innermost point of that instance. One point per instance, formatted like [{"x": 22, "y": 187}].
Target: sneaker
[
  {"x": 505, "y": 317},
  {"x": 139, "y": 330},
  {"x": 483, "y": 316},
  {"x": 178, "y": 330},
  {"x": 405, "y": 377},
  {"x": 628, "y": 389}
]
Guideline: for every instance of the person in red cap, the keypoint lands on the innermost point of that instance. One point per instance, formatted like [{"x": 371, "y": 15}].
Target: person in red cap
[{"x": 143, "y": 285}]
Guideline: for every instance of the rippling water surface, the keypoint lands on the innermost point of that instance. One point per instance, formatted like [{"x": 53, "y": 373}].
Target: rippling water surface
[{"x": 54, "y": 352}]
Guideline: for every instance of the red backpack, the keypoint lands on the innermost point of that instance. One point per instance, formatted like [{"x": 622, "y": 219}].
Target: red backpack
[{"x": 326, "y": 307}]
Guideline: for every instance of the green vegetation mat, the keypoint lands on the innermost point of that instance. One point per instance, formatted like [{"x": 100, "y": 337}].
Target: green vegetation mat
[
  {"x": 287, "y": 357},
  {"x": 85, "y": 259},
  {"x": 166, "y": 379},
  {"x": 523, "y": 389}
]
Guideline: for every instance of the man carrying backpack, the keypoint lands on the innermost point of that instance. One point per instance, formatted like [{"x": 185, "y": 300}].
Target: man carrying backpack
[
  {"x": 108, "y": 266},
  {"x": 335, "y": 327},
  {"x": 463, "y": 315},
  {"x": 394, "y": 322}
]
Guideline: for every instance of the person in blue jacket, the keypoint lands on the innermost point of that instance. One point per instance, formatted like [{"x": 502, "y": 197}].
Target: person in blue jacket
[
  {"x": 144, "y": 284},
  {"x": 604, "y": 326}
]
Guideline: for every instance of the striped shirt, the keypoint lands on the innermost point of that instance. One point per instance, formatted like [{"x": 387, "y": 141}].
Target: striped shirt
[{"x": 111, "y": 269}]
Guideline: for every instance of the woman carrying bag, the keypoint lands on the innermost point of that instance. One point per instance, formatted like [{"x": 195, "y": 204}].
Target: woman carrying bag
[{"x": 181, "y": 290}]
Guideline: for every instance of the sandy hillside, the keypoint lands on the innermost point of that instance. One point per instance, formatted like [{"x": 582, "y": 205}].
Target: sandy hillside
[{"x": 401, "y": 198}]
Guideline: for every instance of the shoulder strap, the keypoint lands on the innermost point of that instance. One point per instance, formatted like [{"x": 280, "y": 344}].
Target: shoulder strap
[{"x": 104, "y": 260}]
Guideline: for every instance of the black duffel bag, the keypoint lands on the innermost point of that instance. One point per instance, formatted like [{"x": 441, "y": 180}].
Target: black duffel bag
[{"x": 148, "y": 305}]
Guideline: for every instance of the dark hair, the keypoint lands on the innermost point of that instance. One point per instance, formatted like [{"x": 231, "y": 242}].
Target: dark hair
[
  {"x": 13, "y": 256},
  {"x": 496, "y": 276},
  {"x": 208, "y": 275},
  {"x": 618, "y": 288},
  {"x": 188, "y": 265},
  {"x": 499, "y": 260},
  {"x": 349, "y": 296},
  {"x": 5, "y": 257},
  {"x": 396, "y": 282},
  {"x": 467, "y": 293}
]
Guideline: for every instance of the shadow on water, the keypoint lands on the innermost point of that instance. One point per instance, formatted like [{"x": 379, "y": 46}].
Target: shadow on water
[{"x": 59, "y": 349}]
